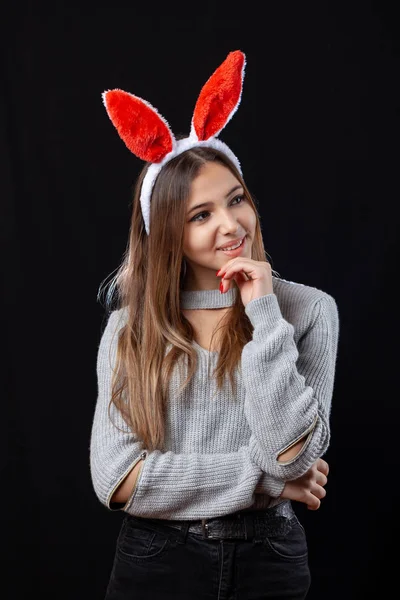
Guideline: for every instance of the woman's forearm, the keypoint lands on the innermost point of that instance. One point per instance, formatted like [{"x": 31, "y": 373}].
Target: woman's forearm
[{"x": 126, "y": 487}]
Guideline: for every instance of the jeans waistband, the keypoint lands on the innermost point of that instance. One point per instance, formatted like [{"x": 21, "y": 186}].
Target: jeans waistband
[{"x": 245, "y": 525}]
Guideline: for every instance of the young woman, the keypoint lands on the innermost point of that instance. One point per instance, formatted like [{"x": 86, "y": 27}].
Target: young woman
[{"x": 215, "y": 375}]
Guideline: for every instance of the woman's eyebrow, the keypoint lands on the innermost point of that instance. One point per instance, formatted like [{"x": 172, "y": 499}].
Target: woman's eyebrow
[{"x": 210, "y": 202}]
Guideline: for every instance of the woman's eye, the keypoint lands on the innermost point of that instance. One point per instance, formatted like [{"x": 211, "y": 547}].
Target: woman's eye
[
  {"x": 195, "y": 218},
  {"x": 199, "y": 215}
]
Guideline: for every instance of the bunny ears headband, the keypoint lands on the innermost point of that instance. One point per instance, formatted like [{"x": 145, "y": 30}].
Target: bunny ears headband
[{"x": 147, "y": 134}]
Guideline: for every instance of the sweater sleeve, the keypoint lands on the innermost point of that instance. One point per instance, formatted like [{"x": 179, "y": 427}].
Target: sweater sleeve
[
  {"x": 170, "y": 485},
  {"x": 289, "y": 388}
]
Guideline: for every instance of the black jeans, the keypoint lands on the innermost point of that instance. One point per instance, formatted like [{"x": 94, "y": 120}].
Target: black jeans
[{"x": 154, "y": 562}]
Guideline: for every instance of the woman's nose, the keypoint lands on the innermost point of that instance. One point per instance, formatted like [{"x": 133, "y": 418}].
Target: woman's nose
[{"x": 228, "y": 223}]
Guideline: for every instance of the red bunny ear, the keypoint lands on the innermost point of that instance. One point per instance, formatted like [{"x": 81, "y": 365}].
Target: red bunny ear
[
  {"x": 139, "y": 125},
  {"x": 219, "y": 97}
]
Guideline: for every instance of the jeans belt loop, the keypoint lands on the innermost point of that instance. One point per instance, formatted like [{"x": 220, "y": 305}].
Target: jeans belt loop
[
  {"x": 184, "y": 530},
  {"x": 248, "y": 526},
  {"x": 205, "y": 527}
]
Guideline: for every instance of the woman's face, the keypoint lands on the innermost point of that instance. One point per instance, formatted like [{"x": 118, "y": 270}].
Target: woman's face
[{"x": 226, "y": 217}]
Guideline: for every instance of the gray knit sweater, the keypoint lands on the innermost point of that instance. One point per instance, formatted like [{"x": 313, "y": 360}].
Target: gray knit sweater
[{"x": 221, "y": 451}]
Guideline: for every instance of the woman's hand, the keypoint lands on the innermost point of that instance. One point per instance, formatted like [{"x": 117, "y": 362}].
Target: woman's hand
[
  {"x": 309, "y": 488},
  {"x": 253, "y": 277}
]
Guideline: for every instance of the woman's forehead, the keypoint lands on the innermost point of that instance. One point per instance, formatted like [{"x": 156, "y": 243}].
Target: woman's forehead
[{"x": 213, "y": 181}]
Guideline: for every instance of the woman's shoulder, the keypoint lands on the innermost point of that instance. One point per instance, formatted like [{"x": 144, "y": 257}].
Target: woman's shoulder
[
  {"x": 300, "y": 291},
  {"x": 297, "y": 298},
  {"x": 114, "y": 320}
]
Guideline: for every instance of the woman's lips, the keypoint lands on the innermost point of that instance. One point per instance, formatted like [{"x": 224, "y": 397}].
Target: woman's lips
[{"x": 235, "y": 252}]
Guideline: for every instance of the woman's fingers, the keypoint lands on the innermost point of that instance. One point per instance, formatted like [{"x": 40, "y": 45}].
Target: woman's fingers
[
  {"x": 319, "y": 492},
  {"x": 251, "y": 267},
  {"x": 320, "y": 478},
  {"x": 255, "y": 281},
  {"x": 313, "y": 503},
  {"x": 322, "y": 466},
  {"x": 236, "y": 275}
]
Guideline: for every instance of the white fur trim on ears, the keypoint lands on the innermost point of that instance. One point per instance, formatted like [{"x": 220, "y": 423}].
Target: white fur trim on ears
[{"x": 155, "y": 168}]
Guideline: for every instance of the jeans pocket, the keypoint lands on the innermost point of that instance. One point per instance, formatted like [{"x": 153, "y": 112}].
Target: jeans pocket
[
  {"x": 291, "y": 543},
  {"x": 137, "y": 542}
]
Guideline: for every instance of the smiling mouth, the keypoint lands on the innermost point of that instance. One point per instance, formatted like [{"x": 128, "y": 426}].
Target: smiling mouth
[{"x": 233, "y": 247}]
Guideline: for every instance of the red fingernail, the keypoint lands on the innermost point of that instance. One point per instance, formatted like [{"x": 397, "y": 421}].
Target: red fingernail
[
  {"x": 221, "y": 287},
  {"x": 218, "y": 272}
]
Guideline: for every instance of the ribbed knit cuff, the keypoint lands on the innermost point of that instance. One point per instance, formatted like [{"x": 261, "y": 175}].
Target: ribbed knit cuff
[
  {"x": 264, "y": 310},
  {"x": 270, "y": 485}
]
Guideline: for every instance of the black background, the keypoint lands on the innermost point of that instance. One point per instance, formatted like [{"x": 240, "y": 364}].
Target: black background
[{"x": 317, "y": 133}]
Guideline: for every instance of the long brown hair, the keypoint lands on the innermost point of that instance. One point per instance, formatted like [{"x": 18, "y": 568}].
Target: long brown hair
[{"x": 148, "y": 285}]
